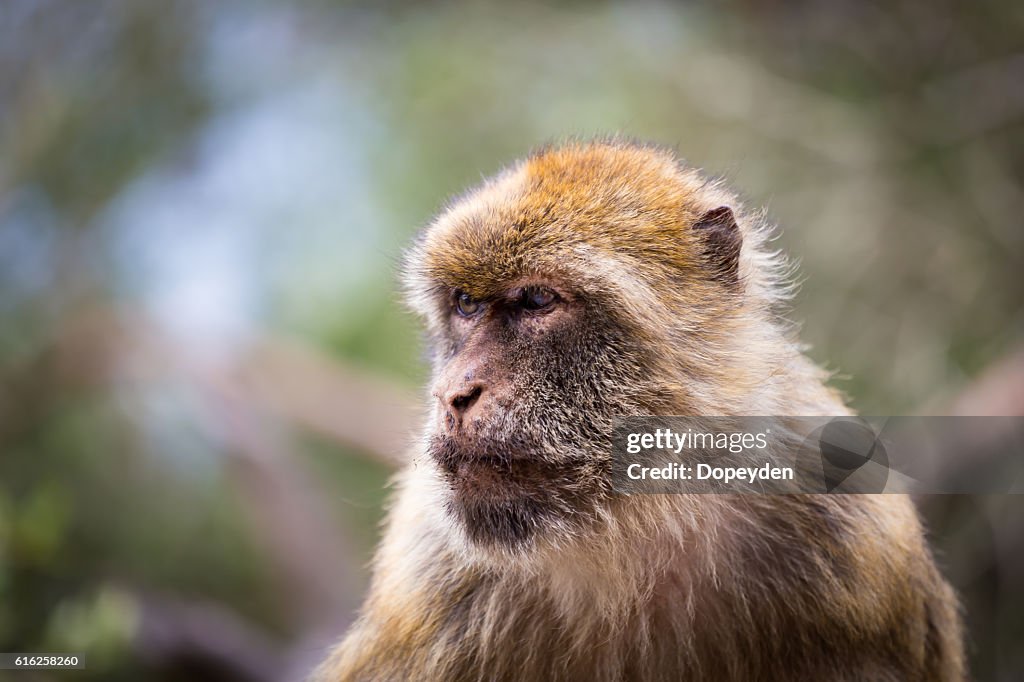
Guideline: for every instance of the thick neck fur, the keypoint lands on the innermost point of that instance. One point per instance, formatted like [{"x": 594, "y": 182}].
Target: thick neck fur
[{"x": 714, "y": 589}]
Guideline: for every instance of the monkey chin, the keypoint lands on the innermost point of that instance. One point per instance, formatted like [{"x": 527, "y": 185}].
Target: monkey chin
[{"x": 505, "y": 498}]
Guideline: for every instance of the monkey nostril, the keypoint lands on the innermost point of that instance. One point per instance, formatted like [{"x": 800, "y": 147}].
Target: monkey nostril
[{"x": 464, "y": 400}]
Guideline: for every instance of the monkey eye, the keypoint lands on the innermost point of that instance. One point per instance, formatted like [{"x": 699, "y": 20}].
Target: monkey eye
[
  {"x": 466, "y": 305},
  {"x": 536, "y": 298}
]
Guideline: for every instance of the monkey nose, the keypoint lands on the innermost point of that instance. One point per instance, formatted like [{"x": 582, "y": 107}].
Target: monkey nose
[
  {"x": 461, "y": 400},
  {"x": 458, "y": 402}
]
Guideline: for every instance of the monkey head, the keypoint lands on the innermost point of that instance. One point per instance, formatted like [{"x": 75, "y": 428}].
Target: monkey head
[{"x": 588, "y": 281}]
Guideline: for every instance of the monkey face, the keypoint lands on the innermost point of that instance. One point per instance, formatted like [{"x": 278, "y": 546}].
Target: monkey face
[
  {"x": 545, "y": 294},
  {"x": 525, "y": 393}
]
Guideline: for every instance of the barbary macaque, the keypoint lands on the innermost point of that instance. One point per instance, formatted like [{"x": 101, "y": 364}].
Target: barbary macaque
[{"x": 601, "y": 279}]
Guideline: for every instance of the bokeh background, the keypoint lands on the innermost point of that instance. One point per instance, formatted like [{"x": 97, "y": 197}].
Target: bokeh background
[{"x": 206, "y": 374}]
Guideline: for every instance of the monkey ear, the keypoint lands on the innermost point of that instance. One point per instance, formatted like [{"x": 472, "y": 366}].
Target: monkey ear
[{"x": 722, "y": 241}]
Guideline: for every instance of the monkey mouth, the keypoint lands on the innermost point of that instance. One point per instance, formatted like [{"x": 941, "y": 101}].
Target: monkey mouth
[
  {"x": 456, "y": 458},
  {"x": 505, "y": 493},
  {"x": 492, "y": 471},
  {"x": 499, "y": 494},
  {"x": 450, "y": 452}
]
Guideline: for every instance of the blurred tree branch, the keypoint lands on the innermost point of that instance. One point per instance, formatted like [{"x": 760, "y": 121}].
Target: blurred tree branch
[
  {"x": 325, "y": 395},
  {"x": 204, "y": 641}
]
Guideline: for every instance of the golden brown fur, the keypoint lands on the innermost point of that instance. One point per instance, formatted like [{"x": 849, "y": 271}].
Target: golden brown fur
[{"x": 567, "y": 581}]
